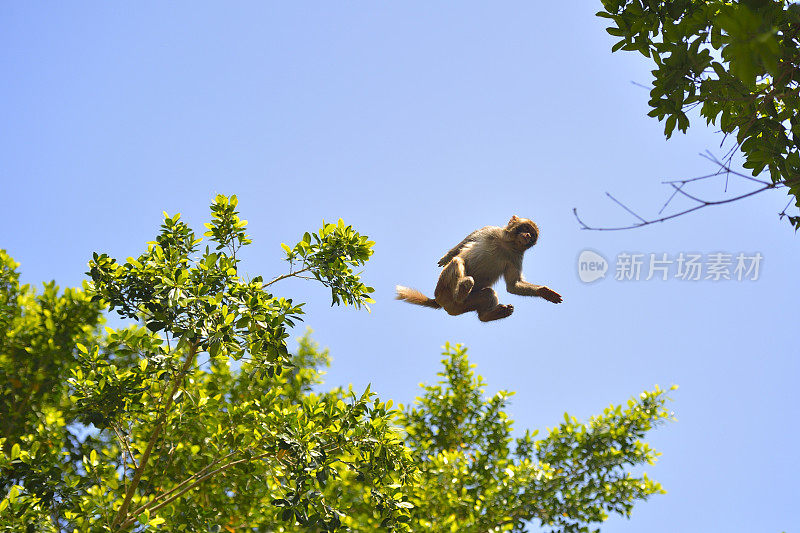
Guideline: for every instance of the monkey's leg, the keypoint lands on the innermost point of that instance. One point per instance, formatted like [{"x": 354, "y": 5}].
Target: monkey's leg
[
  {"x": 488, "y": 306},
  {"x": 464, "y": 288},
  {"x": 454, "y": 284}
]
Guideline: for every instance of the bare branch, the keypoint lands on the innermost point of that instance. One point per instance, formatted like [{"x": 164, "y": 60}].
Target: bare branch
[
  {"x": 690, "y": 180},
  {"x": 675, "y": 215},
  {"x": 687, "y": 195},
  {"x": 783, "y": 213},
  {"x": 724, "y": 169},
  {"x": 625, "y": 208},
  {"x": 667, "y": 202}
]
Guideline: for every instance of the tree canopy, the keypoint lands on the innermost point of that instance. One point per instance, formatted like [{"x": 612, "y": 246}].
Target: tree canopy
[
  {"x": 735, "y": 61},
  {"x": 197, "y": 417}
]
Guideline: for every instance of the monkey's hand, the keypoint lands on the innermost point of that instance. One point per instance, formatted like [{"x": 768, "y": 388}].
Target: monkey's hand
[{"x": 549, "y": 294}]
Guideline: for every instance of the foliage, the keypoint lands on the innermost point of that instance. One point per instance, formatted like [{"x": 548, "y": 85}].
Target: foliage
[
  {"x": 476, "y": 477},
  {"x": 737, "y": 61},
  {"x": 38, "y": 338},
  {"x": 175, "y": 436},
  {"x": 329, "y": 256},
  {"x": 197, "y": 418}
]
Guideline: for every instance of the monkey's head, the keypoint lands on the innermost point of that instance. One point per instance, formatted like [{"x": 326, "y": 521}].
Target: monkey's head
[{"x": 522, "y": 232}]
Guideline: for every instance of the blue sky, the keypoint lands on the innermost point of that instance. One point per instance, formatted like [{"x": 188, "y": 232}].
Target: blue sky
[{"x": 418, "y": 123}]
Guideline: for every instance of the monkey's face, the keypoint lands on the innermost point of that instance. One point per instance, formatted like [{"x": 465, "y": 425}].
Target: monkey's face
[{"x": 523, "y": 232}]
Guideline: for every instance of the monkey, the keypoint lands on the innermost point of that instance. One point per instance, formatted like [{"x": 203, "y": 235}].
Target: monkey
[{"x": 475, "y": 264}]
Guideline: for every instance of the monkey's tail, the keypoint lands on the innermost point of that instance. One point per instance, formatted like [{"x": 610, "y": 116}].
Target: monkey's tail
[{"x": 413, "y": 296}]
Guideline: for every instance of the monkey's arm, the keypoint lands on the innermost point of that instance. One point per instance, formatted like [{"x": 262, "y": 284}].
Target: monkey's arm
[
  {"x": 457, "y": 249},
  {"x": 516, "y": 285}
]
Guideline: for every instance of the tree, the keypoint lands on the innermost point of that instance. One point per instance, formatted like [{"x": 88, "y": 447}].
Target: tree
[
  {"x": 738, "y": 62},
  {"x": 37, "y": 348},
  {"x": 475, "y": 477},
  {"x": 196, "y": 416},
  {"x": 177, "y": 436}
]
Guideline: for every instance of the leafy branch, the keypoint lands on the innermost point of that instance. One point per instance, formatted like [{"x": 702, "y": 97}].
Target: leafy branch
[
  {"x": 330, "y": 255},
  {"x": 738, "y": 63},
  {"x": 137, "y": 474},
  {"x": 164, "y": 499}
]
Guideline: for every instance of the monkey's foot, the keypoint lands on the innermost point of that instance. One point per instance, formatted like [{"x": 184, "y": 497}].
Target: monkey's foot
[
  {"x": 465, "y": 286},
  {"x": 501, "y": 311},
  {"x": 550, "y": 295}
]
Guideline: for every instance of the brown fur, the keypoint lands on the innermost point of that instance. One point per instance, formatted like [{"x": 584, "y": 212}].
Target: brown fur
[
  {"x": 415, "y": 297},
  {"x": 475, "y": 264}
]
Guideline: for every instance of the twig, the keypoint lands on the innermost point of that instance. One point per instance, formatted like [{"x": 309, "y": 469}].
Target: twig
[
  {"x": 128, "y": 523},
  {"x": 137, "y": 474},
  {"x": 124, "y": 442},
  {"x": 667, "y": 202},
  {"x": 675, "y": 215},
  {"x": 182, "y": 484},
  {"x": 727, "y": 169},
  {"x": 625, "y": 208},
  {"x": 690, "y": 180},
  {"x": 678, "y": 186},
  {"x": 289, "y": 275},
  {"x": 783, "y": 213},
  {"x": 687, "y": 195}
]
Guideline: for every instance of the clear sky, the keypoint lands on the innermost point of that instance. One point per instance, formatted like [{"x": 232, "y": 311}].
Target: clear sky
[{"x": 418, "y": 122}]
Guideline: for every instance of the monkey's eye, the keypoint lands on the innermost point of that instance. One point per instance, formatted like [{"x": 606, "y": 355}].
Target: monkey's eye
[{"x": 523, "y": 229}]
